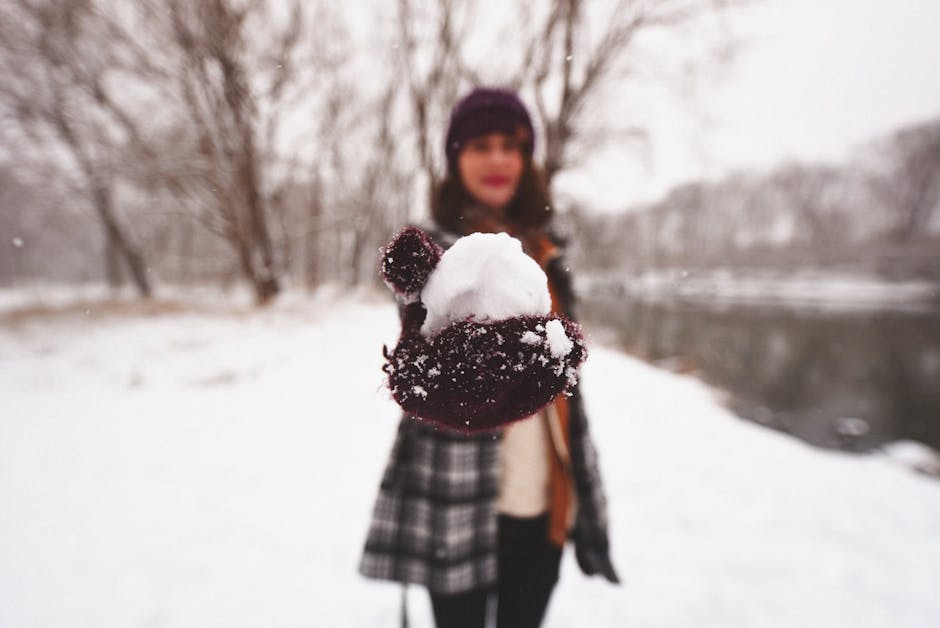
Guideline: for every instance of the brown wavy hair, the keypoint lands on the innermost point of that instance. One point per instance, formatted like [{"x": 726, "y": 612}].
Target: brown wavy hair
[{"x": 452, "y": 206}]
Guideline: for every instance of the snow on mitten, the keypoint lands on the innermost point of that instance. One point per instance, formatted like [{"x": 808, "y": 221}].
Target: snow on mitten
[{"x": 489, "y": 352}]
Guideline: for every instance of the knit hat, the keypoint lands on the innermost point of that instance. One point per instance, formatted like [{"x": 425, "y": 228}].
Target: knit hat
[{"x": 485, "y": 110}]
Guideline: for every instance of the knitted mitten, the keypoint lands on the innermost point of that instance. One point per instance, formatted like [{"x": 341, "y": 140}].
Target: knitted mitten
[{"x": 472, "y": 375}]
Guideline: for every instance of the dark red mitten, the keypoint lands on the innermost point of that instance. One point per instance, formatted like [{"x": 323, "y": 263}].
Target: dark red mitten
[
  {"x": 477, "y": 376},
  {"x": 472, "y": 375}
]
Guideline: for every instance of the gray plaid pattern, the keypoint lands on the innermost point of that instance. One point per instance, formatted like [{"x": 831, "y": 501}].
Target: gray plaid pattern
[{"x": 435, "y": 518}]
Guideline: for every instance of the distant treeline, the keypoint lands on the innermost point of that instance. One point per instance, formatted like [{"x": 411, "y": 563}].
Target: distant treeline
[{"x": 878, "y": 214}]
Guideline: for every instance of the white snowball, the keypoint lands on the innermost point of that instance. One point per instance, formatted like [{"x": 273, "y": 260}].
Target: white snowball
[{"x": 487, "y": 276}]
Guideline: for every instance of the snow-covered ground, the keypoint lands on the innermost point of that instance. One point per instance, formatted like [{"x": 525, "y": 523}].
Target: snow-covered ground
[{"x": 217, "y": 468}]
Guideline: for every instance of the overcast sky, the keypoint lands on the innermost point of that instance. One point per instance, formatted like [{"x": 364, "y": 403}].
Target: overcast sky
[{"x": 815, "y": 80}]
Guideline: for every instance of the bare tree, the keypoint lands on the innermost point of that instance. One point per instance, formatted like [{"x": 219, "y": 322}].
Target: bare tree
[
  {"x": 912, "y": 185},
  {"x": 432, "y": 60},
  {"x": 563, "y": 53},
  {"x": 58, "y": 57},
  {"x": 571, "y": 66},
  {"x": 223, "y": 102},
  {"x": 870, "y": 215},
  {"x": 805, "y": 191}
]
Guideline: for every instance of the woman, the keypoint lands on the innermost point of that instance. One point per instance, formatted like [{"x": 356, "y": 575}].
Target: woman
[{"x": 486, "y": 516}]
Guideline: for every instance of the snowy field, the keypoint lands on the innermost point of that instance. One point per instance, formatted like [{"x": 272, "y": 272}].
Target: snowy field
[{"x": 209, "y": 467}]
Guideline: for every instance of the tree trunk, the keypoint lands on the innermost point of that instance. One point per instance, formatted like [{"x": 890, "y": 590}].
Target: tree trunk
[
  {"x": 237, "y": 96},
  {"x": 117, "y": 241},
  {"x": 101, "y": 199},
  {"x": 266, "y": 283},
  {"x": 187, "y": 252},
  {"x": 112, "y": 263},
  {"x": 312, "y": 237}
]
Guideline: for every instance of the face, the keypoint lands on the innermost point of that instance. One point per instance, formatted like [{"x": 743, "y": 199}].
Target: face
[{"x": 490, "y": 168}]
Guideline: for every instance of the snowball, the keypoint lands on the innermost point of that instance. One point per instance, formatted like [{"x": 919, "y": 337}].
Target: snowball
[
  {"x": 487, "y": 276},
  {"x": 558, "y": 342}
]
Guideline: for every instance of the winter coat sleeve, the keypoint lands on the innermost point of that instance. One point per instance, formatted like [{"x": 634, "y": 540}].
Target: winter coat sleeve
[{"x": 590, "y": 536}]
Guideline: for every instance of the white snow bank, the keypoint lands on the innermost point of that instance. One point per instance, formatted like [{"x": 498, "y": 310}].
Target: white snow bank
[
  {"x": 195, "y": 470},
  {"x": 829, "y": 290},
  {"x": 915, "y": 455}
]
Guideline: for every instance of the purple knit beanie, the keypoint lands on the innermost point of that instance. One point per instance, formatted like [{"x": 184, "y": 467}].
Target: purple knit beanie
[{"x": 485, "y": 110}]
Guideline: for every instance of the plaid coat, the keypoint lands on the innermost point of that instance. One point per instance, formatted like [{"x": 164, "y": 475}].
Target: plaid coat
[{"x": 435, "y": 517}]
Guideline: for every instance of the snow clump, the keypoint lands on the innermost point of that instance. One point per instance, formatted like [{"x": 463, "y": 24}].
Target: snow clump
[
  {"x": 531, "y": 338},
  {"x": 558, "y": 341},
  {"x": 486, "y": 276}
]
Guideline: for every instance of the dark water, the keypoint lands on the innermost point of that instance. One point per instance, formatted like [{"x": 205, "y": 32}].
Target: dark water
[{"x": 850, "y": 381}]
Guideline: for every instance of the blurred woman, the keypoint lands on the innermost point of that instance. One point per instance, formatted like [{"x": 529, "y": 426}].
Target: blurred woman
[{"x": 484, "y": 517}]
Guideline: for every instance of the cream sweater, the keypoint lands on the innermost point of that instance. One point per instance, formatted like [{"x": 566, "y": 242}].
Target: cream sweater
[{"x": 524, "y": 468}]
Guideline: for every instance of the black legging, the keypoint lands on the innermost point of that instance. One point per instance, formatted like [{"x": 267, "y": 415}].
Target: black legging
[{"x": 528, "y": 571}]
